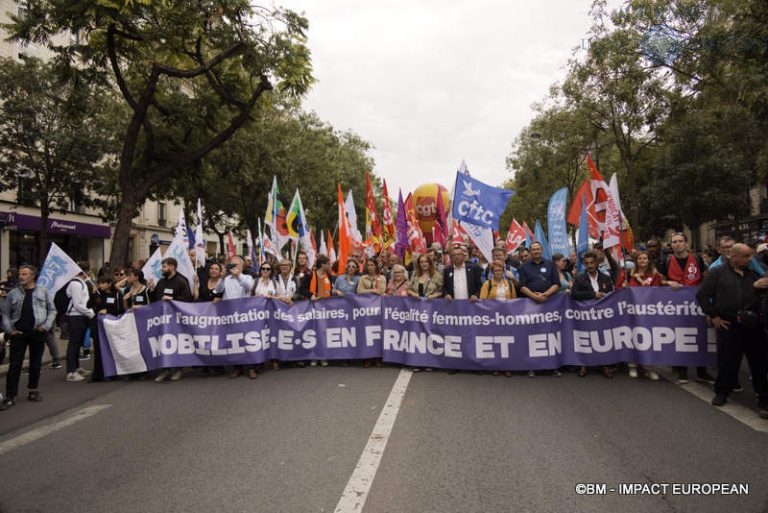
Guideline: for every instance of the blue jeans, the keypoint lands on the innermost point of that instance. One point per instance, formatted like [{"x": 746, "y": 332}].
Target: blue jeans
[{"x": 77, "y": 328}]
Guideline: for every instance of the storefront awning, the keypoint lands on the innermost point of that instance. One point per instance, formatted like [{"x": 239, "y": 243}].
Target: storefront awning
[{"x": 58, "y": 226}]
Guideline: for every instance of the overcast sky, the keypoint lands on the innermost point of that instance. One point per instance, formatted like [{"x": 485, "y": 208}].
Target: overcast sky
[{"x": 429, "y": 83}]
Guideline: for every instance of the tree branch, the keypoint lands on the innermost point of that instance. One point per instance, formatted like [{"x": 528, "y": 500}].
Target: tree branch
[
  {"x": 204, "y": 68},
  {"x": 111, "y": 50}
]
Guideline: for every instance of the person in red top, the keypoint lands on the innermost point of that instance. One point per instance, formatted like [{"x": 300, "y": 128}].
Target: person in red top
[
  {"x": 644, "y": 275},
  {"x": 684, "y": 270}
]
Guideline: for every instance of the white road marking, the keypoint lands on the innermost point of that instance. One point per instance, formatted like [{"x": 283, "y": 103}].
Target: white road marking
[
  {"x": 353, "y": 498},
  {"x": 42, "y": 431},
  {"x": 741, "y": 413}
]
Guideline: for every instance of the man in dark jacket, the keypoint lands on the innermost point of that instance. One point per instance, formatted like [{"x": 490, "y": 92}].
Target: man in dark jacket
[
  {"x": 171, "y": 287},
  {"x": 462, "y": 280},
  {"x": 729, "y": 296},
  {"x": 591, "y": 284}
]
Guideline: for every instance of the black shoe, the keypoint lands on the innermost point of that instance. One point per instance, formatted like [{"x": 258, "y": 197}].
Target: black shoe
[
  {"x": 7, "y": 403},
  {"x": 705, "y": 377},
  {"x": 682, "y": 377},
  {"x": 55, "y": 365},
  {"x": 737, "y": 387},
  {"x": 451, "y": 371},
  {"x": 719, "y": 400},
  {"x": 34, "y": 396}
]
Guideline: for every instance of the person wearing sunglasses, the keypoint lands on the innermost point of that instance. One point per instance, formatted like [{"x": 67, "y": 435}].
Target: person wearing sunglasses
[
  {"x": 265, "y": 287},
  {"x": 347, "y": 282}
]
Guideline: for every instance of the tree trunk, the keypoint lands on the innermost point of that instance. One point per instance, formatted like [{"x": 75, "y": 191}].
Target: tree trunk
[
  {"x": 42, "y": 240},
  {"x": 119, "y": 254}
]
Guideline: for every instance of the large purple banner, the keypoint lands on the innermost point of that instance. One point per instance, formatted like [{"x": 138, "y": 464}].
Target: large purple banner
[{"x": 652, "y": 326}]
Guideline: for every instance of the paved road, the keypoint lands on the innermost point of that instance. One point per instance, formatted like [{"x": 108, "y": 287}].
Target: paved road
[{"x": 289, "y": 441}]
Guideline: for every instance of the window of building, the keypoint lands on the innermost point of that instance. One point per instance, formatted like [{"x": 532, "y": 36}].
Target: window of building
[{"x": 162, "y": 214}]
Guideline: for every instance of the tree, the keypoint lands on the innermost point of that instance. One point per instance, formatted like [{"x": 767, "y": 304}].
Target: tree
[
  {"x": 709, "y": 151},
  {"x": 51, "y": 144},
  {"x": 191, "y": 73},
  {"x": 548, "y": 154},
  {"x": 620, "y": 93},
  {"x": 289, "y": 144}
]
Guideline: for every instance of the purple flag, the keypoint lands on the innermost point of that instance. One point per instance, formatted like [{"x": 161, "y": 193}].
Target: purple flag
[{"x": 401, "y": 227}]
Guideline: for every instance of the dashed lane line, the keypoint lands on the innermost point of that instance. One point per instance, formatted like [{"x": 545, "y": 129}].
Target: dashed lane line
[
  {"x": 65, "y": 420},
  {"x": 353, "y": 498}
]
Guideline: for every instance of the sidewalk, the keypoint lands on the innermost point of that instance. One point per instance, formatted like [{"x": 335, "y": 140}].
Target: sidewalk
[{"x": 62, "y": 345}]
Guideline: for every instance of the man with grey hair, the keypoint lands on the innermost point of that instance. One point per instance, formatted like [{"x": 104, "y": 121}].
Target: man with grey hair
[
  {"x": 236, "y": 284},
  {"x": 729, "y": 296},
  {"x": 724, "y": 246},
  {"x": 28, "y": 314}
]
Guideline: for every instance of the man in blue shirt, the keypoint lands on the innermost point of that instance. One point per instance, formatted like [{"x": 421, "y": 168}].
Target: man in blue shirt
[{"x": 539, "y": 279}]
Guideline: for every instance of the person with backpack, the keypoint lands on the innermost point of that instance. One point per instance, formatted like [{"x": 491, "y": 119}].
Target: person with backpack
[{"x": 79, "y": 314}]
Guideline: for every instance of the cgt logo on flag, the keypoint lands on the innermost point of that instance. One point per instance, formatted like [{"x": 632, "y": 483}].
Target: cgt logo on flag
[{"x": 467, "y": 207}]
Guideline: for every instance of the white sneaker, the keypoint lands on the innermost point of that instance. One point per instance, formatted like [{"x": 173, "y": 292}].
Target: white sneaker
[
  {"x": 633, "y": 372},
  {"x": 176, "y": 375},
  {"x": 652, "y": 375},
  {"x": 324, "y": 363},
  {"x": 313, "y": 363},
  {"x": 164, "y": 374},
  {"x": 74, "y": 376}
]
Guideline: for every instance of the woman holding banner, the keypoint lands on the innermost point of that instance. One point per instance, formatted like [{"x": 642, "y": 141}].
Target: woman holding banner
[
  {"x": 426, "y": 282},
  {"x": 398, "y": 285},
  {"x": 107, "y": 300},
  {"x": 644, "y": 274},
  {"x": 347, "y": 282},
  {"x": 500, "y": 288},
  {"x": 206, "y": 292},
  {"x": 264, "y": 286},
  {"x": 566, "y": 280},
  {"x": 372, "y": 283},
  {"x": 135, "y": 296}
]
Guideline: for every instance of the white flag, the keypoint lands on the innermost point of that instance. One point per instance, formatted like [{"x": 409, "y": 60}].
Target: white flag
[
  {"x": 181, "y": 227},
  {"x": 178, "y": 250},
  {"x": 323, "y": 249},
  {"x": 249, "y": 244},
  {"x": 199, "y": 236},
  {"x": 58, "y": 269},
  {"x": 349, "y": 209},
  {"x": 152, "y": 270}
]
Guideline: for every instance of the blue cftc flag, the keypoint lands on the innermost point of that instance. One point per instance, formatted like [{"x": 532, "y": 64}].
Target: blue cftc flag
[{"x": 477, "y": 203}]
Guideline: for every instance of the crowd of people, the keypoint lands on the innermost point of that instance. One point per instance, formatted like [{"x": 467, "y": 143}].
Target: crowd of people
[{"x": 731, "y": 288}]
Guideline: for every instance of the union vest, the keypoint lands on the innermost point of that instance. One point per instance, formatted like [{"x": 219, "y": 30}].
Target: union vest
[{"x": 688, "y": 277}]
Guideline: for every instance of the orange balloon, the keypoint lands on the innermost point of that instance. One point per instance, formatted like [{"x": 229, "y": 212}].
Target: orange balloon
[{"x": 425, "y": 206}]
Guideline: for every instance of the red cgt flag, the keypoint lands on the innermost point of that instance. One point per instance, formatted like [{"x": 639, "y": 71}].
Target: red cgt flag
[
  {"x": 584, "y": 196},
  {"x": 515, "y": 237}
]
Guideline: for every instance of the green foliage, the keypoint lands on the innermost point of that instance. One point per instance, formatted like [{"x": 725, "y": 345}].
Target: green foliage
[
  {"x": 53, "y": 148},
  {"x": 301, "y": 150},
  {"x": 191, "y": 73},
  {"x": 685, "y": 112}
]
